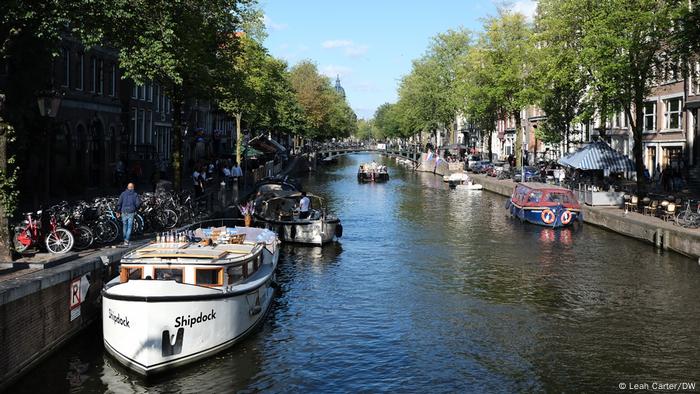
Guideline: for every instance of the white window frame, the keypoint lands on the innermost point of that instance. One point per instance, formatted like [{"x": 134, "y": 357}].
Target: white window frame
[
  {"x": 653, "y": 115},
  {"x": 695, "y": 86},
  {"x": 149, "y": 127},
  {"x": 142, "y": 128},
  {"x": 135, "y": 120},
  {"x": 668, "y": 113},
  {"x": 149, "y": 91},
  {"x": 156, "y": 98}
]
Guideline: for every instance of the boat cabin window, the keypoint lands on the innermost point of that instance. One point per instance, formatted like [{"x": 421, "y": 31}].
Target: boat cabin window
[
  {"x": 128, "y": 273},
  {"x": 235, "y": 274},
  {"x": 168, "y": 274},
  {"x": 534, "y": 196},
  {"x": 559, "y": 197},
  {"x": 209, "y": 276}
]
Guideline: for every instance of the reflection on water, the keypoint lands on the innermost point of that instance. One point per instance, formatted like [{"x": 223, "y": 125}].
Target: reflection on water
[{"x": 432, "y": 289}]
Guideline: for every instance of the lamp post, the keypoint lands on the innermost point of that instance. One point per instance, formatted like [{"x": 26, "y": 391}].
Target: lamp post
[{"x": 49, "y": 102}]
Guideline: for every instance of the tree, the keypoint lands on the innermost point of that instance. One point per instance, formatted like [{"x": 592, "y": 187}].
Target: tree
[
  {"x": 623, "y": 44},
  {"x": 178, "y": 43},
  {"x": 508, "y": 64},
  {"x": 326, "y": 113}
]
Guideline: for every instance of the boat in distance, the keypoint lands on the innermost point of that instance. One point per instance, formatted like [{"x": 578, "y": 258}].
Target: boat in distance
[
  {"x": 188, "y": 297},
  {"x": 372, "y": 172}
]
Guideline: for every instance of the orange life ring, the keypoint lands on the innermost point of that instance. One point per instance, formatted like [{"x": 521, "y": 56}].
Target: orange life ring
[
  {"x": 548, "y": 216},
  {"x": 566, "y": 217}
]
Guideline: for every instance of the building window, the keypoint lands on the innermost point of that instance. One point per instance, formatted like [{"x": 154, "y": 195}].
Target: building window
[
  {"x": 149, "y": 91},
  {"x": 134, "y": 123},
  {"x": 142, "y": 89},
  {"x": 697, "y": 78},
  {"x": 149, "y": 126},
  {"x": 157, "y": 97},
  {"x": 166, "y": 105},
  {"x": 93, "y": 73},
  {"x": 112, "y": 80},
  {"x": 142, "y": 124},
  {"x": 134, "y": 91},
  {"x": 650, "y": 116},
  {"x": 66, "y": 67},
  {"x": 673, "y": 113},
  {"x": 100, "y": 77},
  {"x": 80, "y": 72}
]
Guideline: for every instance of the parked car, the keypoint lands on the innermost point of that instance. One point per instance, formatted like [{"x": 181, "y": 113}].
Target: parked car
[
  {"x": 532, "y": 174},
  {"x": 471, "y": 161}
]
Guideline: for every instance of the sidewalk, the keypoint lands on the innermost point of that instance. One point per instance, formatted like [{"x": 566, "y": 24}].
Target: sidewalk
[{"x": 636, "y": 225}]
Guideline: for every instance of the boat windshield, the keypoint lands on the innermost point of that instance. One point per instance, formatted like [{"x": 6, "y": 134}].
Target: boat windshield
[
  {"x": 561, "y": 197},
  {"x": 534, "y": 196}
]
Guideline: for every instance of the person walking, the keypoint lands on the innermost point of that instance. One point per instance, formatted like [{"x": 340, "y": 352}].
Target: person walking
[
  {"x": 127, "y": 205},
  {"x": 304, "y": 205},
  {"x": 198, "y": 181}
]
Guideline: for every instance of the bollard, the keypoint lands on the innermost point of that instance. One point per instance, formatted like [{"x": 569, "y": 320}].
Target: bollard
[
  {"x": 666, "y": 240},
  {"x": 657, "y": 238}
]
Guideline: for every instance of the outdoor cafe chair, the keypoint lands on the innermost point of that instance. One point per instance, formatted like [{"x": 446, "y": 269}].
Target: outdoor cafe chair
[
  {"x": 651, "y": 208},
  {"x": 632, "y": 204},
  {"x": 669, "y": 212}
]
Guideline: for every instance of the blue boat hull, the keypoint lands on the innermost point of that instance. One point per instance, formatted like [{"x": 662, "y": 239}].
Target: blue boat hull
[{"x": 555, "y": 217}]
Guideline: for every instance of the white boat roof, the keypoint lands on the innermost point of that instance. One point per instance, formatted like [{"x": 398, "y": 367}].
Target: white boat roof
[{"x": 195, "y": 253}]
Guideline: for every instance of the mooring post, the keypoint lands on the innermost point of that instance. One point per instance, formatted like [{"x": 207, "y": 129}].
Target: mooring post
[
  {"x": 667, "y": 239},
  {"x": 657, "y": 238}
]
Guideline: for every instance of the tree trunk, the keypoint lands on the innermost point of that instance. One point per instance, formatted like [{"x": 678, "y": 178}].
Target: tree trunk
[
  {"x": 490, "y": 139},
  {"x": 5, "y": 234},
  {"x": 178, "y": 102},
  {"x": 238, "y": 137},
  {"x": 637, "y": 132},
  {"x": 518, "y": 140}
]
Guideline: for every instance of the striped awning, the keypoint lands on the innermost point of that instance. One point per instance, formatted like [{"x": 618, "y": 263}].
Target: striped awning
[{"x": 598, "y": 156}]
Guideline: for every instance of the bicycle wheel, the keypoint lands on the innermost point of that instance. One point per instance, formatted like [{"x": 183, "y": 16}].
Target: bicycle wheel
[
  {"x": 83, "y": 237},
  {"x": 59, "y": 241},
  {"x": 21, "y": 241},
  {"x": 139, "y": 226},
  {"x": 167, "y": 218},
  {"x": 683, "y": 218},
  {"x": 106, "y": 231}
]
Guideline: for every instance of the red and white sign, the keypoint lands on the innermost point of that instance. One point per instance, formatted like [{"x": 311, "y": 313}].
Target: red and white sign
[{"x": 75, "y": 298}]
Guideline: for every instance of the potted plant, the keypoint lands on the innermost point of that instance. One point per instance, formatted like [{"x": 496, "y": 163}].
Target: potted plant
[{"x": 247, "y": 210}]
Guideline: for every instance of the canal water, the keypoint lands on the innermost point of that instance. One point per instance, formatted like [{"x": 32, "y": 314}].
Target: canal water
[{"x": 435, "y": 290}]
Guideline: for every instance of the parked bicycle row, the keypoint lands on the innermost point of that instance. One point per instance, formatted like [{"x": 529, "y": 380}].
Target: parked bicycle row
[{"x": 80, "y": 225}]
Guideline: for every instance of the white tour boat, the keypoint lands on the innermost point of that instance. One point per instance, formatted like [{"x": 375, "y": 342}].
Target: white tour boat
[{"x": 176, "y": 302}]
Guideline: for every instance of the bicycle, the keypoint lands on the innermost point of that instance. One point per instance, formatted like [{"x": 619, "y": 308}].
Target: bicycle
[
  {"x": 687, "y": 217},
  {"x": 57, "y": 240}
]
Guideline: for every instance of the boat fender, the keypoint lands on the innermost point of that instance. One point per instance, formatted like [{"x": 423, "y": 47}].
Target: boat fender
[
  {"x": 255, "y": 310},
  {"x": 339, "y": 230},
  {"x": 508, "y": 204},
  {"x": 548, "y": 216},
  {"x": 566, "y": 217}
]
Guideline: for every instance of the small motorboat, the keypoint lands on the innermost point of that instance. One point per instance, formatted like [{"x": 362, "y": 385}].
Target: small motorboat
[
  {"x": 372, "y": 172},
  {"x": 456, "y": 177},
  {"x": 544, "y": 204},
  {"x": 279, "y": 211},
  {"x": 469, "y": 186}
]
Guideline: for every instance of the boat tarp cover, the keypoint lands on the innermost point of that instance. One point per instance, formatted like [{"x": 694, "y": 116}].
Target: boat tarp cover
[{"x": 598, "y": 155}]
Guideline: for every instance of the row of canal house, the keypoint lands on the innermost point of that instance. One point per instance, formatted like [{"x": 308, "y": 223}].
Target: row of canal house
[
  {"x": 671, "y": 128},
  {"x": 103, "y": 118}
]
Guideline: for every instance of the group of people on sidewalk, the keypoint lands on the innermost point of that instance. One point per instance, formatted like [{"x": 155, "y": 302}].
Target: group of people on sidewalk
[{"x": 205, "y": 172}]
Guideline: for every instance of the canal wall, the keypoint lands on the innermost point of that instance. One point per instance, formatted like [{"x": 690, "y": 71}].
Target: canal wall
[
  {"x": 427, "y": 164},
  {"x": 41, "y": 310},
  {"x": 644, "y": 228}
]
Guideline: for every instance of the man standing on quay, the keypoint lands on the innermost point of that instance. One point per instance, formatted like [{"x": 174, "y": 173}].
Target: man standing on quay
[{"x": 126, "y": 207}]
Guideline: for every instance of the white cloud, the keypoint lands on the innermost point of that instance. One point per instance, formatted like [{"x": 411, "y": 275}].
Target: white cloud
[
  {"x": 525, "y": 7},
  {"x": 332, "y": 71},
  {"x": 270, "y": 25},
  {"x": 349, "y": 47},
  {"x": 330, "y": 44}
]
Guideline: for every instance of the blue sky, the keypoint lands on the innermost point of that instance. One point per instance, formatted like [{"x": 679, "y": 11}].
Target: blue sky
[{"x": 370, "y": 44}]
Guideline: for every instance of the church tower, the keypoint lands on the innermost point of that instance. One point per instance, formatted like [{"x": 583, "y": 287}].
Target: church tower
[{"x": 339, "y": 88}]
